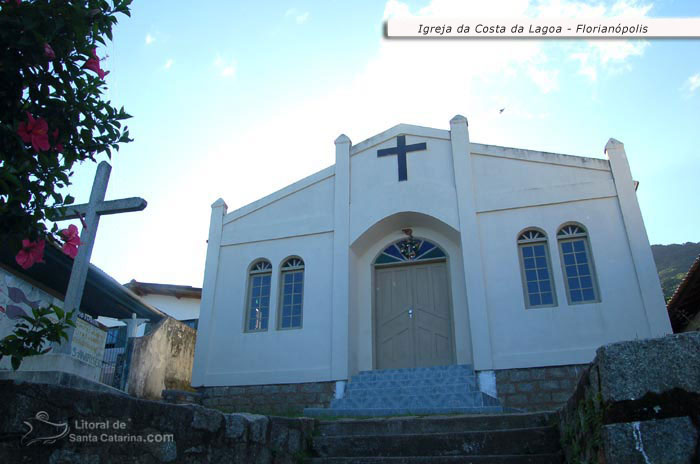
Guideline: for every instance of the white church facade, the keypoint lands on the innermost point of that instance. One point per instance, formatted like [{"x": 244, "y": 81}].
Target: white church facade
[{"x": 421, "y": 248}]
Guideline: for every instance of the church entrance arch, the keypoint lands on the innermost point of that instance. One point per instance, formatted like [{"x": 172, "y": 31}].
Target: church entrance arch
[{"x": 412, "y": 306}]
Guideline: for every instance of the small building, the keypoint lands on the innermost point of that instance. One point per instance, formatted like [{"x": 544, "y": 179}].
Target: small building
[
  {"x": 180, "y": 302},
  {"x": 421, "y": 248},
  {"x": 684, "y": 305}
]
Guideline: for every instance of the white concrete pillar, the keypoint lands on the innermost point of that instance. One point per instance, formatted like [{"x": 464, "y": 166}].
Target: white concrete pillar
[
  {"x": 206, "y": 311},
  {"x": 340, "y": 323},
  {"x": 471, "y": 244},
  {"x": 132, "y": 325},
  {"x": 647, "y": 276}
]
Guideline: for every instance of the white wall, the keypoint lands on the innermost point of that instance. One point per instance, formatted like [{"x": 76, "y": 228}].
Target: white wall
[
  {"x": 276, "y": 356},
  {"x": 517, "y": 189},
  {"x": 178, "y": 308}
]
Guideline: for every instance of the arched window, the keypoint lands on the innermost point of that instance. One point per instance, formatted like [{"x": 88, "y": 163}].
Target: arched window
[
  {"x": 258, "y": 308},
  {"x": 579, "y": 274},
  {"x": 292, "y": 294},
  {"x": 536, "y": 269},
  {"x": 409, "y": 250}
]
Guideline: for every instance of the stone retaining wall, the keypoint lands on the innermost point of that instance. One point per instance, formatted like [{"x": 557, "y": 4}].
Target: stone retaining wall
[
  {"x": 178, "y": 433},
  {"x": 537, "y": 388},
  {"x": 639, "y": 402},
  {"x": 269, "y": 399}
]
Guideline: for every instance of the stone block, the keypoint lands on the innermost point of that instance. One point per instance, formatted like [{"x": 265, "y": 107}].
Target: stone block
[
  {"x": 287, "y": 388},
  {"x": 503, "y": 376},
  {"x": 559, "y": 372},
  {"x": 253, "y": 389},
  {"x": 538, "y": 373},
  {"x": 206, "y": 419},
  {"x": 236, "y": 425},
  {"x": 549, "y": 385},
  {"x": 541, "y": 397},
  {"x": 665, "y": 441},
  {"x": 629, "y": 370},
  {"x": 526, "y": 387},
  {"x": 257, "y": 427},
  {"x": 519, "y": 375},
  {"x": 270, "y": 389},
  {"x": 517, "y": 399},
  {"x": 561, "y": 396},
  {"x": 505, "y": 388},
  {"x": 311, "y": 388}
]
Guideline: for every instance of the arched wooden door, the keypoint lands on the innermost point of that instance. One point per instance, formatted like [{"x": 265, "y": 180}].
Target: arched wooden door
[{"x": 412, "y": 313}]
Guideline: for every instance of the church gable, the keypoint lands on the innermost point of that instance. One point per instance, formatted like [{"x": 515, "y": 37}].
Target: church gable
[
  {"x": 305, "y": 207},
  {"x": 406, "y": 168},
  {"x": 510, "y": 182}
]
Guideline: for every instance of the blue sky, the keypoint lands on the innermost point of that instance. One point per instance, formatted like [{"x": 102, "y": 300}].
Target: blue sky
[{"x": 239, "y": 99}]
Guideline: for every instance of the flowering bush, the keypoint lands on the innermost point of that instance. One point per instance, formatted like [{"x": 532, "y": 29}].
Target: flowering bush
[{"x": 52, "y": 113}]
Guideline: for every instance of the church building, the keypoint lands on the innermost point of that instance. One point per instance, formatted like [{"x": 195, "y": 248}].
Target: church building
[{"x": 420, "y": 248}]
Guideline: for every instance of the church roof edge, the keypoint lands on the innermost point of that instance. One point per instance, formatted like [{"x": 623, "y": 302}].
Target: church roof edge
[
  {"x": 306, "y": 182},
  {"x": 399, "y": 129}
]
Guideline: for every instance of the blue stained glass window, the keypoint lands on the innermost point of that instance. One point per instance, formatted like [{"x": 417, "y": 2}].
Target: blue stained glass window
[
  {"x": 580, "y": 278},
  {"x": 535, "y": 269},
  {"x": 409, "y": 250},
  {"x": 292, "y": 294}
]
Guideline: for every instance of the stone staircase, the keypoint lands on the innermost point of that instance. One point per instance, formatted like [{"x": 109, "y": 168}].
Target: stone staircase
[
  {"x": 518, "y": 438},
  {"x": 424, "y": 390}
]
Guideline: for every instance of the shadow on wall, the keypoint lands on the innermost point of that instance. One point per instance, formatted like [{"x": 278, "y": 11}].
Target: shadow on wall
[{"x": 162, "y": 360}]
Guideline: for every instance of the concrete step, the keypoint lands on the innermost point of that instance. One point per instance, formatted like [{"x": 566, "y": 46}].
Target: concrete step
[
  {"x": 540, "y": 440},
  {"x": 550, "y": 458},
  {"x": 436, "y": 400},
  {"x": 419, "y": 370},
  {"x": 435, "y": 424},
  {"x": 356, "y": 391},
  {"x": 385, "y": 412},
  {"x": 443, "y": 375},
  {"x": 460, "y": 379}
]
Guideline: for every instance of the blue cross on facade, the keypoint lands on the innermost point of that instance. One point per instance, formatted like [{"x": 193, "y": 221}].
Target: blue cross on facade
[{"x": 400, "y": 150}]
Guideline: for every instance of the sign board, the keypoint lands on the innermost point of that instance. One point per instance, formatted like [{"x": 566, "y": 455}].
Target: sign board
[{"x": 89, "y": 340}]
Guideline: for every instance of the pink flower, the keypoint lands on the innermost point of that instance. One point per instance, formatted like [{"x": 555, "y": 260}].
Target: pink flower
[
  {"x": 93, "y": 64},
  {"x": 48, "y": 52},
  {"x": 72, "y": 241},
  {"x": 31, "y": 252},
  {"x": 35, "y": 131}
]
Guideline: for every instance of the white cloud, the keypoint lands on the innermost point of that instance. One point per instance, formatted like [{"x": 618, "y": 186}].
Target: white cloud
[
  {"x": 298, "y": 16},
  {"x": 169, "y": 63},
  {"x": 150, "y": 39},
  {"x": 546, "y": 79},
  {"x": 301, "y": 18},
  {"x": 596, "y": 55},
  {"x": 224, "y": 67},
  {"x": 423, "y": 82},
  {"x": 693, "y": 83}
]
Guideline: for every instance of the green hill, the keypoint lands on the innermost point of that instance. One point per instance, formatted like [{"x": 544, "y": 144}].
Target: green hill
[{"x": 673, "y": 262}]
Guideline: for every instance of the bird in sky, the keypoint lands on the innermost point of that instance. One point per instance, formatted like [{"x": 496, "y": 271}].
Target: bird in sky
[{"x": 501, "y": 111}]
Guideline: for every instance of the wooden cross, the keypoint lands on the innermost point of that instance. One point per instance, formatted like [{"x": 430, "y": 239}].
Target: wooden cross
[
  {"x": 400, "y": 150},
  {"x": 90, "y": 214}
]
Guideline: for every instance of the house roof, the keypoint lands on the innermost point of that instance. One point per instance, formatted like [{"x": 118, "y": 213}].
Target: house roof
[
  {"x": 149, "y": 288},
  {"x": 684, "y": 305},
  {"x": 103, "y": 295}
]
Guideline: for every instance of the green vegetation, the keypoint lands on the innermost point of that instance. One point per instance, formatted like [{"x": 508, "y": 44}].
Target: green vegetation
[{"x": 672, "y": 264}]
